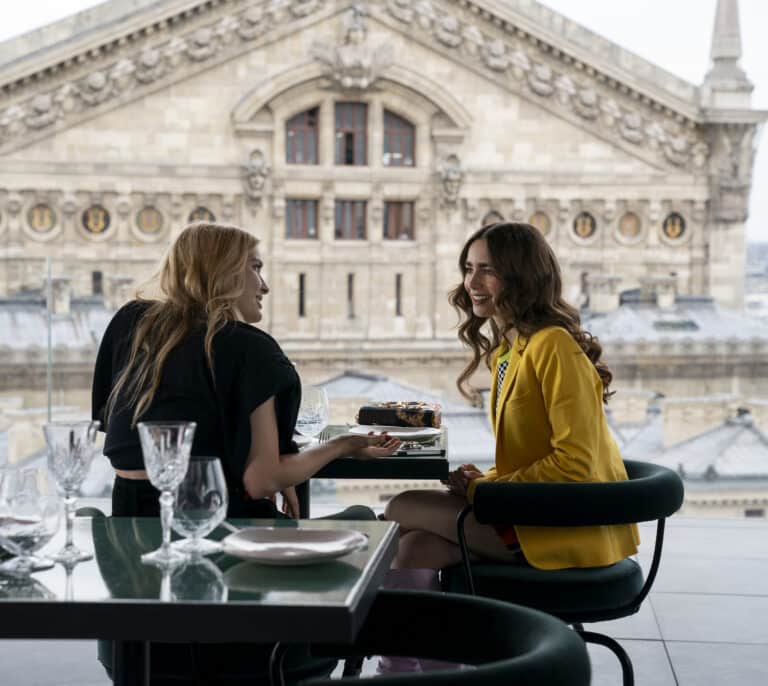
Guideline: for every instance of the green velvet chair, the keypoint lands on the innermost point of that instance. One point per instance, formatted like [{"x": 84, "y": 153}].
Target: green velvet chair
[
  {"x": 575, "y": 596},
  {"x": 506, "y": 644}
]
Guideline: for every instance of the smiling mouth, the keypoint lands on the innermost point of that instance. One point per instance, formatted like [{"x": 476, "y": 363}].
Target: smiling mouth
[{"x": 480, "y": 299}]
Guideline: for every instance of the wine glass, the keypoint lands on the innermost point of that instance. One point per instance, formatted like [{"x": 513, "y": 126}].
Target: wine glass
[
  {"x": 200, "y": 506},
  {"x": 29, "y": 517},
  {"x": 166, "y": 447},
  {"x": 313, "y": 411},
  {"x": 71, "y": 449},
  {"x": 200, "y": 580}
]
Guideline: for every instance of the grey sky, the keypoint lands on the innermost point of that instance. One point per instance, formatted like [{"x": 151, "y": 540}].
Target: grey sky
[{"x": 675, "y": 34}]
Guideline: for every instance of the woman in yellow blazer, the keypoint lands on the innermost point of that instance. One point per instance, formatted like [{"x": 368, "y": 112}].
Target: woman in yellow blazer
[{"x": 548, "y": 387}]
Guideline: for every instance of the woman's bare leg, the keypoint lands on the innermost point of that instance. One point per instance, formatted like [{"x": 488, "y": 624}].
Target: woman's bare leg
[{"x": 431, "y": 541}]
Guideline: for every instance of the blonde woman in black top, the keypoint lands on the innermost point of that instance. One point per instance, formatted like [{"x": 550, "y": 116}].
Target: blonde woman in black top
[{"x": 193, "y": 355}]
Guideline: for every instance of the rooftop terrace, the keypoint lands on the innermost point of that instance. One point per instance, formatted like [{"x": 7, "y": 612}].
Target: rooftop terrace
[{"x": 705, "y": 623}]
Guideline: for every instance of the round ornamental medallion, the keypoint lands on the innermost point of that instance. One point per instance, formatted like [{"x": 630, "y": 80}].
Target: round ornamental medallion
[
  {"x": 96, "y": 219},
  {"x": 629, "y": 225},
  {"x": 492, "y": 217},
  {"x": 41, "y": 218},
  {"x": 149, "y": 220},
  {"x": 201, "y": 214},
  {"x": 674, "y": 226},
  {"x": 541, "y": 221},
  {"x": 584, "y": 225}
]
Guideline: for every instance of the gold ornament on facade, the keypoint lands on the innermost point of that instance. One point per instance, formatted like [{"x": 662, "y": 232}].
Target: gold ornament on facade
[
  {"x": 41, "y": 218},
  {"x": 201, "y": 214},
  {"x": 541, "y": 221},
  {"x": 629, "y": 225},
  {"x": 584, "y": 225},
  {"x": 96, "y": 219},
  {"x": 674, "y": 226},
  {"x": 149, "y": 220}
]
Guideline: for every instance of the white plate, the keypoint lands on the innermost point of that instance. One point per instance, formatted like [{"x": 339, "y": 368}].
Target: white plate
[
  {"x": 288, "y": 546},
  {"x": 411, "y": 433}
]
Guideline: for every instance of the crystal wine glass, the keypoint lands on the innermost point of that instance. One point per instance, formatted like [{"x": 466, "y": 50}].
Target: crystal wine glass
[
  {"x": 166, "y": 447},
  {"x": 71, "y": 449},
  {"x": 313, "y": 411},
  {"x": 29, "y": 517},
  {"x": 200, "y": 506}
]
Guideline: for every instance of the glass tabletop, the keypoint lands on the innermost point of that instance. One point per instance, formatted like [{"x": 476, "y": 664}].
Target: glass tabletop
[{"x": 115, "y": 595}]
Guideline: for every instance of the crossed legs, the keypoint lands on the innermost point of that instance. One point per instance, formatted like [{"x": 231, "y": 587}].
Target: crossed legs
[{"x": 428, "y": 537}]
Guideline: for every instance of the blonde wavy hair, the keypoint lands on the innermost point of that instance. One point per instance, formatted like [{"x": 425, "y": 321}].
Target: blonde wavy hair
[{"x": 200, "y": 279}]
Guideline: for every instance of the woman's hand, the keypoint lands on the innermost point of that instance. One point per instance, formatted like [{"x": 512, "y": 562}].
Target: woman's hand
[
  {"x": 290, "y": 505},
  {"x": 367, "y": 447},
  {"x": 459, "y": 479}
]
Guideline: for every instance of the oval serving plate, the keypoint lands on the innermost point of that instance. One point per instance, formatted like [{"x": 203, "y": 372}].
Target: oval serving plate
[
  {"x": 289, "y": 546},
  {"x": 410, "y": 433}
]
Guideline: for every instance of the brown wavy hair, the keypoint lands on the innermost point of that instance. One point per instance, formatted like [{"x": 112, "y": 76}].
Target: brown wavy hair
[
  {"x": 530, "y": 300},
  {"x": 200, "y": 279}
]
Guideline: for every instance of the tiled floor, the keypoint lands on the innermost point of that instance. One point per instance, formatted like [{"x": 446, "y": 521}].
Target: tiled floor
[{"x": 705, "y": 623}]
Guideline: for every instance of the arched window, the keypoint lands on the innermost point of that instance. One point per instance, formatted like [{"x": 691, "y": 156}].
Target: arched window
[
  {"x": 399, "y": 141},
  {"x": 301, "y": 137},
  {"x": 351, "y": 123}
]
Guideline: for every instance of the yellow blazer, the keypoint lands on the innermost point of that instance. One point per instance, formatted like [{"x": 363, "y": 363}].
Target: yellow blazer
[{"x": 551, "y": 426}]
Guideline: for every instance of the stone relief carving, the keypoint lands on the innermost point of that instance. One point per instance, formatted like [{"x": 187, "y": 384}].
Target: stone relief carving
[
  {"x": 587, "y": 103},
  {"x": 131, "y": 72},
  {"x": 352, "y": 65},
  {"x": 202, "y": 45},
  {"x": 495, "y": 55},
  {"x": 540, "y": 79},
  {"x": 401, "y": 9},
  {"x": 255, "y": 173},
  {"x": 356, "y": 65},
  {"x": 425, "y": 14},
  {"x": 253, "y": 23},
  {"x": 301, "y": 8},
  {"x": 473, "y": 40},
  {"x": 43, "y": 112},
  {"x": 149, "y": 66},
  {"x": 95, "y": 88},
  {"x": 451, "y": 177},
  {"x": 447, "y": 31},
  {"x": 545, "y": 78}
]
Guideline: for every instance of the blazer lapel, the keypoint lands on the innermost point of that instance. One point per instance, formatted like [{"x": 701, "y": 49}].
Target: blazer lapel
[{"x": 508, "y": 383}]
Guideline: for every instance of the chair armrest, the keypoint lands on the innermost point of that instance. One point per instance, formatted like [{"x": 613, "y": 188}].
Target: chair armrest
[{"x": 651, "y": 492}]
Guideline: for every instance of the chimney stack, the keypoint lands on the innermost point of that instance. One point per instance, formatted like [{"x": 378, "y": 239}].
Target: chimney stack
[
  {"x": 60, "y": 295},
  {"x": 603, "y": 292}
]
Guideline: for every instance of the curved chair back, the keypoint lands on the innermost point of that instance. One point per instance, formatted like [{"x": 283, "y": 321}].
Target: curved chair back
[
  {"x": 651, "y": 492},
  {"x": 507, "y": 644}
]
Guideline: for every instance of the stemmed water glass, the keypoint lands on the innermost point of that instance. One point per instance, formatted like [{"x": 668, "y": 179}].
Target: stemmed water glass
[
  {"x": 71, "y": 449},
  {"x": 313, "y": 411},
  {"x": 166, "y": 447},
  {"x": 200, "y": 506},
  {"x": 30, "y": 513}
]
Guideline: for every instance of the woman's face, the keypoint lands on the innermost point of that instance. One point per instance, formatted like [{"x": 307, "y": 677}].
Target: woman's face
[
  {"x": 481, "y": 281},
  {"x": 249, "y": 302}
]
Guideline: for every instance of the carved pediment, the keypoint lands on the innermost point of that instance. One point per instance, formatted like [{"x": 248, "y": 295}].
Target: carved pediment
[{"x": 471, "y": 32}]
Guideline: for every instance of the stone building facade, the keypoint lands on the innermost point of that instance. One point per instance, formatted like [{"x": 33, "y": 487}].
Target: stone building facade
[{"x": 362, "y": 142}]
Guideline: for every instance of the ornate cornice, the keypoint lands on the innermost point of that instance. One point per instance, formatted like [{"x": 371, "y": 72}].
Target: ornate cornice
[
  {"x": 546, "y": 74},
  {"x": 493, "y": 41},
  {"x": 131, "y": 66}
]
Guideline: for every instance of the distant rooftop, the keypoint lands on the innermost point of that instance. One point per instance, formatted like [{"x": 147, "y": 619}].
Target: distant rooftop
[{"x": 690, "y": 318}]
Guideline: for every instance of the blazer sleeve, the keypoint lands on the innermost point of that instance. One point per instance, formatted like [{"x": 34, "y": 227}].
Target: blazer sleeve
[{"x": 572, "y": 394}]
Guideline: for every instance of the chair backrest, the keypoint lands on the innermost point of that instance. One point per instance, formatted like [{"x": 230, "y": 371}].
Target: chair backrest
[
  {"x": 507, "y": 643},
  {"x": 651, "y": 492}
]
